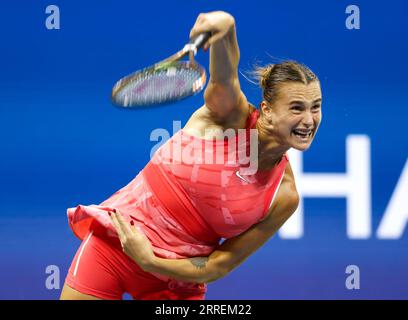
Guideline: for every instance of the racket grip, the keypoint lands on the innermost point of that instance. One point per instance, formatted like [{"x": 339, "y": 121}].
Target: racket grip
[{"x": 200, "y": 40}]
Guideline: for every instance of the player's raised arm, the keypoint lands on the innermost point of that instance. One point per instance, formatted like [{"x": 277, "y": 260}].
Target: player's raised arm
[{"x": 223, "y": 94}]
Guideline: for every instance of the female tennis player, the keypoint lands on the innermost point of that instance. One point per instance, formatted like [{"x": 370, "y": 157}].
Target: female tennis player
[{"x": 160, "y": 236}]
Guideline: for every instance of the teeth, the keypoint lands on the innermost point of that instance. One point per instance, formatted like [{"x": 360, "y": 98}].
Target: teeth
[{"x": 303, "y": 133}]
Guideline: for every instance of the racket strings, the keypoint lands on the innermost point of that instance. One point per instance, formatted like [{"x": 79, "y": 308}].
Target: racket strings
[{"x": 160, "y": 86}]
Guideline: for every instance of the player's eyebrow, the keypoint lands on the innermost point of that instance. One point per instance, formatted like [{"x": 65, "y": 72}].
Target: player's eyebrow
[{"x": 301, "y": 102}]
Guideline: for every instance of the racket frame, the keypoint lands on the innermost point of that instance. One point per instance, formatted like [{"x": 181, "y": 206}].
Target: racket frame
[{"x": 174, "y": 60}]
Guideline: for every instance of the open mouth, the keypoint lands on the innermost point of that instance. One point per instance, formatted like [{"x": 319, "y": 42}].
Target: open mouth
[{"x": 303, "y": 134}]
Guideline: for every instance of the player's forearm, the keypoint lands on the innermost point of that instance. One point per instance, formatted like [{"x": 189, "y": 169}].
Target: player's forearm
[
  {"x": 229, "y": 255},
  {"x": 224, "y": 57},
  {"x": 195, "y": 269},
  {"x": 222, "y": 261}
]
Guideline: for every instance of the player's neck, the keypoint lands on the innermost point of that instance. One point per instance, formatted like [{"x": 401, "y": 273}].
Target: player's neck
[
  {"x": 269, "y": 155},
  {"x": 270, "y": 150}
]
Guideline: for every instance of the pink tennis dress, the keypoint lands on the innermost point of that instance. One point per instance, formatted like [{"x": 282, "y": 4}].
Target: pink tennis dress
[{"x": 186, "y": 199}]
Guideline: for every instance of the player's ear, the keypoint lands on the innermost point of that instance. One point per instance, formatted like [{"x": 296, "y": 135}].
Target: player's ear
[
  {"x": 266, "y": 109},
  {"x": 264, "y": 106}
]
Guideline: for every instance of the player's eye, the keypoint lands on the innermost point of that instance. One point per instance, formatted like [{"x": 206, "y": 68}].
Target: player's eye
[{"x": 296, "y": 108}]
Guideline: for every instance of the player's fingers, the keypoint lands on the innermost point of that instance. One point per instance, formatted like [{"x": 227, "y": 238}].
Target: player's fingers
[
  {"x": 136, "y": 229},
  {"x": 196, "y": 31},
  {"x": 201, "y": 28},
  {"x": 199, "y": 31},
  {"x": 117, "y": 226},
  {"x": 201, "y": 18},
  {"x": 212, "y": 40},
  {"x": 124, "y": 226}
]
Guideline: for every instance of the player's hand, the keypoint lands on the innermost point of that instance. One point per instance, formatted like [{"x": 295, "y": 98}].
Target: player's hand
[
  {"x": 134, "y": 243},
  {"x": 219, "y": 23}
]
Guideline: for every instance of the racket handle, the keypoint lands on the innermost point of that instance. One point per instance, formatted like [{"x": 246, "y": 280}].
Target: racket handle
[{"x": 200, "y": 40}]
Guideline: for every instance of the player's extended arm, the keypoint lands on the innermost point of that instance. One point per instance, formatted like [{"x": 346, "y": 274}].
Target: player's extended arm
[
  {"x": 235, "y": 250},
  {"x": 223, "y": 94}
]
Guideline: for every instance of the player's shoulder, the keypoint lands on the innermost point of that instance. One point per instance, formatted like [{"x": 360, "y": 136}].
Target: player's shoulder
[
  {"x": 228, "y": 112},
  {"x": 204, "y": 117}
]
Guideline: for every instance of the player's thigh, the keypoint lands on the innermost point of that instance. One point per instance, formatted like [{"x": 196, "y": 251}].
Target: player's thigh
[{"x": 71, "y": 294}]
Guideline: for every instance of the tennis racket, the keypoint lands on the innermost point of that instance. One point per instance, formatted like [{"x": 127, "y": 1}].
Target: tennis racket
[{"x": 166, "y": 81}]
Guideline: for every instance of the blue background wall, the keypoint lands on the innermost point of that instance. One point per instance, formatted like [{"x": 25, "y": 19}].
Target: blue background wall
[{"x": 62, "y": 143}]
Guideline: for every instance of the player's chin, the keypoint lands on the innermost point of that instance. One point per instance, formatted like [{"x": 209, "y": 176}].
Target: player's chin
[{"x": 301, "y": 147}]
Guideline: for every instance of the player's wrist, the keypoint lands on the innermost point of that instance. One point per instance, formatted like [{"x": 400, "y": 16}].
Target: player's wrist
[{"x": 149, "y": 264}]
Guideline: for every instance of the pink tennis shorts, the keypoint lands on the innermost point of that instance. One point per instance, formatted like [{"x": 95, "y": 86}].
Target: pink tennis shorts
[{"x": 100, "y": 268}]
